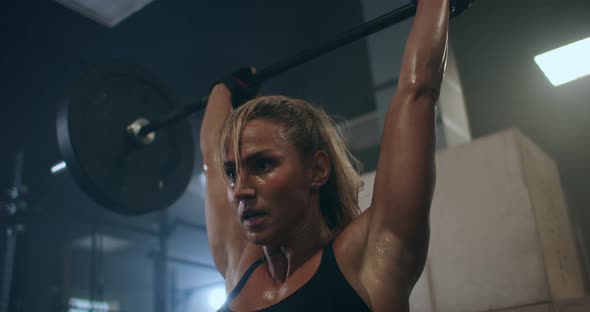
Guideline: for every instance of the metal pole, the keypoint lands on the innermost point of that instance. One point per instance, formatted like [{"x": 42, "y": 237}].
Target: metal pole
[
  {"x": 92, "y": 267},
  {"x": 160, "y": 265},
  {"x": 172, "y": 294},
  {"x": 7, "y": 270},
  {"x": 18, "y": 172},
  {"x": 302, "y": 57},
  {"x": 11, "y": 232}
]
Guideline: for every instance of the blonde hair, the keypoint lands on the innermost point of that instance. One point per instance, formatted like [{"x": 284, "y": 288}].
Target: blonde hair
[{"x": 309, "y": 129}]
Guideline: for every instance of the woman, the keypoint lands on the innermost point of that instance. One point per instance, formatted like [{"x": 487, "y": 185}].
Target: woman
[{"x": 281, "y": 211}]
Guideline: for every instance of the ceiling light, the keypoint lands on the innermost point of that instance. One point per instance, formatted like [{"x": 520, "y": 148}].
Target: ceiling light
[
  {"x": 106, "y": 12},
  {"x": 567, "y": 63}
]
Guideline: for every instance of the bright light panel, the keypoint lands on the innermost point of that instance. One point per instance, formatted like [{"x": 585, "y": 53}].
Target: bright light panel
[
  {"x": 567, "y": 63},
  {"x": 84, "y": 305},
  {"x": 217, "y": 297},
  {"x": 58, "y": 167}
]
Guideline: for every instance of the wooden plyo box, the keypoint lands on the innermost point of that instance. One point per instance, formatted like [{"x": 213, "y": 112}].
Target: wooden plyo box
[{"x": 501, "y": 235}]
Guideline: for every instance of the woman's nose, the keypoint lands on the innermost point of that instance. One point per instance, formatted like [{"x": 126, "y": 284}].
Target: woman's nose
[{"x": 242, "y": 188}]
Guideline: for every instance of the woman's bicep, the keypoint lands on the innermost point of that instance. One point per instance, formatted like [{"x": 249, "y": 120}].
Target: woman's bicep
[{"x": 405, "y": 174}]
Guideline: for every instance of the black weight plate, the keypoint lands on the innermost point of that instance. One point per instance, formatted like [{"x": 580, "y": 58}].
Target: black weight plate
[{"x": 116, "y": 172}]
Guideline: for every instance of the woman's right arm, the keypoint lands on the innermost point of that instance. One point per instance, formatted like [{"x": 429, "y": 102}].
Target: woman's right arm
[{"x": 224, "y": 233}]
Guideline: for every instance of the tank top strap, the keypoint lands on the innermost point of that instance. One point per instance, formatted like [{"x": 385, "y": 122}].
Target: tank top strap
[{"x": 236, "y": 291}]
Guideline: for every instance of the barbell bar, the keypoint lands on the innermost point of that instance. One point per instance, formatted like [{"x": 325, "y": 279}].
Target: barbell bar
[
  {"x": 352, "y": 35},
  {"x": 130, "y": 148}
]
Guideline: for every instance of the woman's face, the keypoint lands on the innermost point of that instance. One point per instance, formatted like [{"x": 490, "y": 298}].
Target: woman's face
[{"x": 273, "y": 193}]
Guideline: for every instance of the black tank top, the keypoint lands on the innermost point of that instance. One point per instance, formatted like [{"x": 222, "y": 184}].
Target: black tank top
[{"x": 327, "y": 290}]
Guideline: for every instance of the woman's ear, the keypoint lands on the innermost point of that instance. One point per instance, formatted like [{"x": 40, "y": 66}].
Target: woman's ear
[{"x": 321, "y": 169}]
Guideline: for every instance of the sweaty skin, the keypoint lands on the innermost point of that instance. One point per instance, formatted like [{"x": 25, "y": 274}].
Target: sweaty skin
[{"x": 383, "y": 251}]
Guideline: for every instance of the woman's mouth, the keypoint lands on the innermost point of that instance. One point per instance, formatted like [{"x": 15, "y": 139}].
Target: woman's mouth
[{"x": 253, "y": 218}]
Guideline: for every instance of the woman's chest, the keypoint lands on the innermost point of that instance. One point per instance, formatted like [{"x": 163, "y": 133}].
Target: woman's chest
[{"x": 261, "y": 290}]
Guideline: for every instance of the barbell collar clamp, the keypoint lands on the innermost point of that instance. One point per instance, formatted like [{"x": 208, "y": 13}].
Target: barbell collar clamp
[{"x": 134, "y": 132}]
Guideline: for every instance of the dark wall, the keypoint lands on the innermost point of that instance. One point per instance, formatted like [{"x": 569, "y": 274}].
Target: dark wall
[
  {"x": 495, "y": 43},
  {"x": 188, "y": 45}
]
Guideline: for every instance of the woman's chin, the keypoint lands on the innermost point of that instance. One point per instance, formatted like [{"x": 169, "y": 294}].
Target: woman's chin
[{"x": 261, "y": 238}]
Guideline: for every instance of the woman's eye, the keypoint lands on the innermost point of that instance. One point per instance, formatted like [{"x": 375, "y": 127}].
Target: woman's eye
[
  {"x": 264, "y": 165},
  {"x": 230, "y": 173}
]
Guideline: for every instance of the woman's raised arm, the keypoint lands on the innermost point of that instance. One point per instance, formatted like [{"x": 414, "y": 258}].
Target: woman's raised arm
[
  {"x": 405, "y": 176},
  {"x": 224, "y": 231},
  {"x": 226, "y": 240}
]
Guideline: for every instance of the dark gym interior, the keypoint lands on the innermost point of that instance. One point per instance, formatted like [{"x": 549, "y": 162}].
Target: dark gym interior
[{"x": 66, "y": 251}]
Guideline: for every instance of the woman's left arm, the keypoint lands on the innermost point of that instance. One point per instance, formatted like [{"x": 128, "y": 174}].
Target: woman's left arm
[{"x": 405, "y": 177}]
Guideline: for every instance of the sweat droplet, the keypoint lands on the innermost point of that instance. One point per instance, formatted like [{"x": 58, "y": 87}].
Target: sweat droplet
[{"x": 269, "y": 295}]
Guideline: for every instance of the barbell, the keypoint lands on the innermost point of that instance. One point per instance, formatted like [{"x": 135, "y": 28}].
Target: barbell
[{"x": 129, "y": 146}]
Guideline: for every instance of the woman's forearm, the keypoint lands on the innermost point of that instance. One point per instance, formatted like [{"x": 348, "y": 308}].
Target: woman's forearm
[
  {"x": 425, "y": 53},
  {"x": 217, "y": 111}
]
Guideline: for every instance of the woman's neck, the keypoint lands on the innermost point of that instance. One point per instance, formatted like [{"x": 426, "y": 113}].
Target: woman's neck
[{"x": 307, "y": 240}]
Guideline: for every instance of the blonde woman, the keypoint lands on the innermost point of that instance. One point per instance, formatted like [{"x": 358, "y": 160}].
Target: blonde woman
[{"x": 282, "y": 218}]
